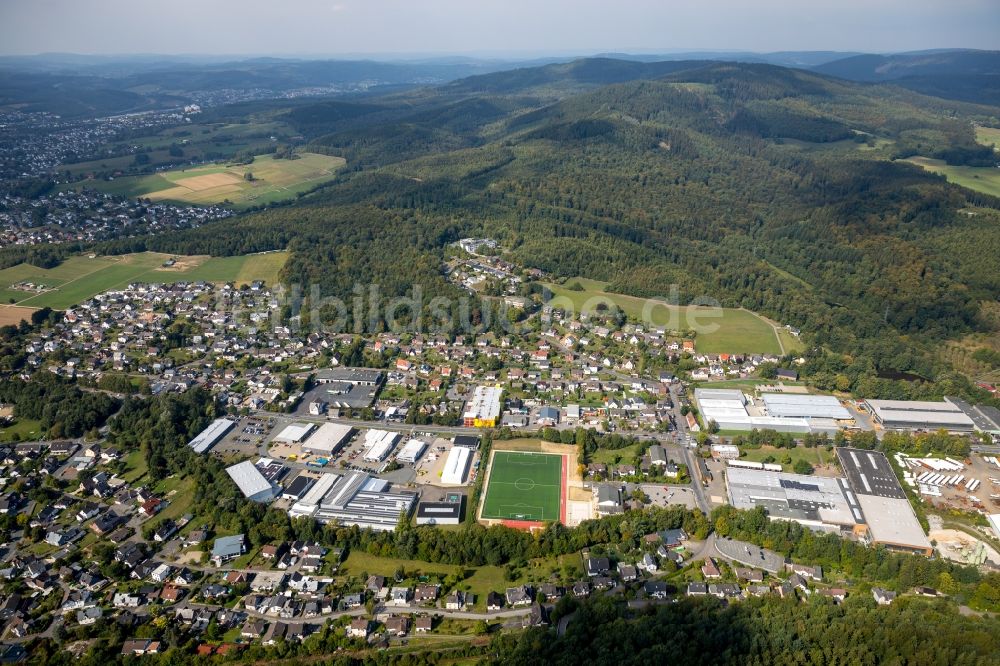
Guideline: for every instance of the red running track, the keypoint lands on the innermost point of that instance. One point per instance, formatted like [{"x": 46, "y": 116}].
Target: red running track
[
  {"x": 536, "y": 524},
  {"x": 564, "y": 490}
]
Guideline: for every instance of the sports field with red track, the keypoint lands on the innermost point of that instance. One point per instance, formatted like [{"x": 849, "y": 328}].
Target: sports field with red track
[{"x": 525, "y": 487}]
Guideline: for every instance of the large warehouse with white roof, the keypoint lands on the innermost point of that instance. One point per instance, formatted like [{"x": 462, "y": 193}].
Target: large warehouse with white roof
[
  {"x": 328, "y": 439},
  {"x": 729, "y": 409},
  {"x": 920, "y": 415},
  {"x": 294, "y": 433},
  {"x": 889, "y": 518},
  {"x": 799, "y": 405},
  {"x": 251, "y": 482},
  {"x": 211, "y": 435},
  {"x": 818, "y": 502},
  {"x": 411, "y": 451},
  {"x": 354, "y": 498},
  {"x": 379, "y": 444},
  {"x": 456, "y": 466}
]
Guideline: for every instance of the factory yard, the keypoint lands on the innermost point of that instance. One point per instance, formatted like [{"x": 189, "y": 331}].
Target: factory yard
[
  {"x": 961, "y": 547},
  {"x": 956, "y": 485}
]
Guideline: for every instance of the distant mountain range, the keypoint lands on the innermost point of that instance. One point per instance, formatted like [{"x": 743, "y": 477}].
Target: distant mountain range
[
  {"x": 79, "y": 85},
  {"x": 970, "y": 76}
]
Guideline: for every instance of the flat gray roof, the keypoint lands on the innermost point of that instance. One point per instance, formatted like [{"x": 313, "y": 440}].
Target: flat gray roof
[
  {"x": 891, "y": 522},
  {"x": 806, "y": 406},
  {"x": 719, "y": 394},
  {"x": 208, "y": 437},
  {"x": 869, "y": 473},
  {"x": 352, "y": 375},
  {"x": 919, "y": 414},
  {"x": 249, "y": 479},
  {"x": 798, "y": 497},
  {"x": 750, "y": 555},
  {"x": 982, "y": 417}
]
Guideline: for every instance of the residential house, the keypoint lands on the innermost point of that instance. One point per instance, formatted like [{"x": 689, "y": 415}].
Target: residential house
[
  {"x": 597, "y": 566},
  {"x": 227, "y": 548},
  {"x": 358, "y": 628},
  {"x": 519, "y": 596},
  {"x": 494, "y": 601}
]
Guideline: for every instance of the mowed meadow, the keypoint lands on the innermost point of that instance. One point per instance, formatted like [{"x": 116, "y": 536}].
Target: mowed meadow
[
  {"x": 723, "y": 330},
  {"x": 980, "y": 179},
  {"x": 273, "y": 180},
  {"x": 83, "y": 276}
]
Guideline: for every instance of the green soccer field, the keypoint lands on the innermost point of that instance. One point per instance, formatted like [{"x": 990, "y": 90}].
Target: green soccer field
[{"x": 524, "y": 486}]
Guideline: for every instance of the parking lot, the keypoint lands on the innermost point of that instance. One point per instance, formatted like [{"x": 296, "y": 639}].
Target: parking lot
[
  {"x": 246, "y": 437},
  {"x": 663, "y": 496},
  {"x": 430, "y": 466}
]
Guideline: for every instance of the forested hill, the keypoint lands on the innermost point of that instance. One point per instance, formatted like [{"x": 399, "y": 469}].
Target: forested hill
[
  {"x": 972, "y": 76},
  {"x": 764, "y": 187}
]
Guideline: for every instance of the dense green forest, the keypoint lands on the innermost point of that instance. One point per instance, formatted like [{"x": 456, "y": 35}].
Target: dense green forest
[
  {"x": 758, "y": 186},
  {"x": 760, "y": 631}
]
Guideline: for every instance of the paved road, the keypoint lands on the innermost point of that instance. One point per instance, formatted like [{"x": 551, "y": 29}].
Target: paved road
[
  {"x": 696, "y": 487},
  {"x": 358, "y": 612},
  {"x": 382, "y": 425}
]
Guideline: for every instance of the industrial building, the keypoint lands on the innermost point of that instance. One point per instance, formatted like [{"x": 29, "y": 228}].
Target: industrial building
[
  {"x": 456, "y": 466},
  {"x": 411, "y": 452},
  {"x": 379, "y": 444},
  {"x": 483, "y": 410},
  {"x": 358, "y": 376},
  {"x": 468, "y": 441},
  {"x": 985, "y": 418},
  {"x": 354, "y": 498},
  {"x": 820, "y": 503},
  {"x": 272, "y": 470},
  {"x": 889, "y": 519},
  {"x": 348, "y": 387},
  {"x": 800, "y": 405},
  {"x": 920, "y": 415},
  {"x": 328, "y": 439},
  {"x": 211, "y": 435},
  {"x": 251, "y": 482},
  {"x": 294, "y": 433},
  {"x": 729, "y": 409},
  {"x": 439, "y": 513},
  {"x": 299, "y": 486}
]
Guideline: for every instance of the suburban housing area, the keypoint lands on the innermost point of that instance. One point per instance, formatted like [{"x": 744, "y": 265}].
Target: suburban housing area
[{"x": 518, "y": 432}]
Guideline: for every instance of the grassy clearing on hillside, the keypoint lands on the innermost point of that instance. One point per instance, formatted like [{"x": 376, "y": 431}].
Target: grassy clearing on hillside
[
  {"x": 273, "y": 180},
  {"x": 734, "y": 331},
  {"x": 980, "y": 179},
  {"x": 480, "y": 582},
  {"x": 988, "y": 136},
  {"x": 789, "y": 342},
  {"x": 21, "y": 430},
  {"x": 80, "y": 277}
]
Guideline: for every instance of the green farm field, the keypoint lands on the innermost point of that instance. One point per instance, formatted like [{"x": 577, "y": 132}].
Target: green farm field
[
  {"x": 980, "y": 179},
  {"x": 81, "y": 277},
  {"x": 199, "y": 142},
  {"x": 274, "y": 180},
  {"x": 523, "y": 486},
  {"x": 735, "y": 331}
]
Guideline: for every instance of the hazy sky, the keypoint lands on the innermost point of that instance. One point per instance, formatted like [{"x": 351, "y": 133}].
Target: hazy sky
[{"x": 334, "y": 27}]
